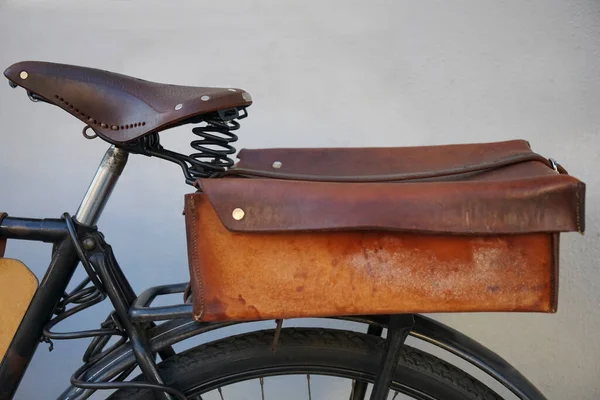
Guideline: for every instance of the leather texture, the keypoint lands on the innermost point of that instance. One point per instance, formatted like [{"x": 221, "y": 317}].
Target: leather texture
[
  {"x": 254, "y": 276},
  {"x": 484, "y": 240},
  {"x": 17, "y": 287},
  {"x": 451, "y": 173},
  {"x": 543, "y": 204},
  {"x": 117, "y": 107},
  {"x": 373, "y": 161},
  {"x": 521, "y": 196}
]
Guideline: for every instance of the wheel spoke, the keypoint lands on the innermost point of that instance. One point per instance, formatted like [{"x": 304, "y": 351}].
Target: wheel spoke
[
  {"x": 359, "y": 390},
  {"x": 262, "y": 387},
  {"x": 221, "y": 393},
  {"x": 395, "y": 395},
  {"x": 308, "y": 383}
]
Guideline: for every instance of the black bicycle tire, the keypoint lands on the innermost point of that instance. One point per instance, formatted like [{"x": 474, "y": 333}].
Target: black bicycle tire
[{"x": 355, "y": 353}]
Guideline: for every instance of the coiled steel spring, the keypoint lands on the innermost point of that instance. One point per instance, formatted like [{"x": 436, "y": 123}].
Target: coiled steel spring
[{"x": 212, "y": 151}]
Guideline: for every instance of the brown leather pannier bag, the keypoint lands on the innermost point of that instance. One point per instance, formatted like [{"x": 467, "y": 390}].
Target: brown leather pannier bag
[{"x": 329, "y": 232}]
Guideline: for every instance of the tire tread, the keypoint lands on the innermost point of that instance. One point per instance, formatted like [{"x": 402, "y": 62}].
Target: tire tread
[{"x": 198, "y": 357}]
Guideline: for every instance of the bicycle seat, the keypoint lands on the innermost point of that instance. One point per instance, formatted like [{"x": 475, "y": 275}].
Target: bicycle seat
[{"x": 117, "y": 107}]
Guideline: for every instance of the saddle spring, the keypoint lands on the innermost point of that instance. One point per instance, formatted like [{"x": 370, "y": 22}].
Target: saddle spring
[{"x": 212, "y": 150}]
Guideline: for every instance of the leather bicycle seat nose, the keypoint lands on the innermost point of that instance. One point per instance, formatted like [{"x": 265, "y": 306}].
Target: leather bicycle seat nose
[{"x": 120, "y": 108}]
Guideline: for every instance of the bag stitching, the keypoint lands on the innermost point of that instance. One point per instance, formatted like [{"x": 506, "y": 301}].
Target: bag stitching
[
  {"x": 577, "y": 215},
  {"x": 553, "y": 272},
  {"x": 195, "y": 258}
]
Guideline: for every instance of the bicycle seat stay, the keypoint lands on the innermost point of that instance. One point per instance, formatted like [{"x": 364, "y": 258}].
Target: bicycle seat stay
[{"x": 117, "y": 107}]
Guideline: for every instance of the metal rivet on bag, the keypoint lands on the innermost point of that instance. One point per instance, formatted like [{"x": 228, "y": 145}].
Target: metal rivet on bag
[
  {"x": 23, "y": 75},
  {"x": 178, "y": 106},
  {"x": 205, "y": 98},
  {"x": 238, "y": 214},
  {"x": 277, "y": 164}
]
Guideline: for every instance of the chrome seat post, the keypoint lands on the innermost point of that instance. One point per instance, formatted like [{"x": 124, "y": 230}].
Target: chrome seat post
[
  {"x": 102, "y": 185},
  {"x": 116, "y": 285}
]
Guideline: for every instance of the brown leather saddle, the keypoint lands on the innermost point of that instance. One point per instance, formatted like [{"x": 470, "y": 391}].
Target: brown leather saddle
[{"x": 117, "y": 107}]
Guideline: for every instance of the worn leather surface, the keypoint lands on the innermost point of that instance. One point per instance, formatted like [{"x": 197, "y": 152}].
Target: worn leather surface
[
  {"x": 522, "y": 195},
  {"x": 249, "y": 276},
  {"x": 17, "y": 287},
  {"x": 547, "y": 203},
  {"x": 454, "y": 241},
  {"x": 377, "y": 160},
  {"x": 468, "y": 170},
  {"x": 120, "y": 108}
]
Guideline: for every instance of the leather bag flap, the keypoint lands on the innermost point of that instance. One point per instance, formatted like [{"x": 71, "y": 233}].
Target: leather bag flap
[{"x": 543, "y": 203}]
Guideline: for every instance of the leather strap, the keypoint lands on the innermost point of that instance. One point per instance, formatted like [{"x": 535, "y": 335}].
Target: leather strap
[{"x": 469, "y": 168}]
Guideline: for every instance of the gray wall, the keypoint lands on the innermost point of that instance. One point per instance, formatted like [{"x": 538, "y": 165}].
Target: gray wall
[{"x": 332, "y": 73}]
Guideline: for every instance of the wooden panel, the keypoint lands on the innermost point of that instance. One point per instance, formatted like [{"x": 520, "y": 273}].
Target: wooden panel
[{"x": 17, "y": 287}]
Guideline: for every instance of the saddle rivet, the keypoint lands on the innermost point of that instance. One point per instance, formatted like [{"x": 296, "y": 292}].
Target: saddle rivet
[
  {"x": 178, "y": 106},
  {"x": 238, "y": 214},
  {"x": 103, "y": 125},
  {"x": 23, "y": 75},
  {"x": 246, "y": 96},
  {"x": 277, "y": 164},
  {"x": 205, "y": 98}
]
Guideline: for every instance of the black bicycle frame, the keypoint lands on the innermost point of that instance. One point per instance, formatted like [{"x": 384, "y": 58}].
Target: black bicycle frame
[
  {"x": 78, "y": 241},
  {"x": 53, "y": 285}
]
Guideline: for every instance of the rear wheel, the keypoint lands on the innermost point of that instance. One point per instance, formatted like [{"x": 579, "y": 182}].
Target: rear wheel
[{"x": 211, "y": 371}]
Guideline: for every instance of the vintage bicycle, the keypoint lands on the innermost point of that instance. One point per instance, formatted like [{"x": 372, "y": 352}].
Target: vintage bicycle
[{"x": 374, "y": 236}]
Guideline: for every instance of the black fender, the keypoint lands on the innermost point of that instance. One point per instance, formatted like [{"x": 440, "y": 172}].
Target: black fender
[
  {"x": 475, "y": 353},
  {"x": 425, "y": 329}
]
